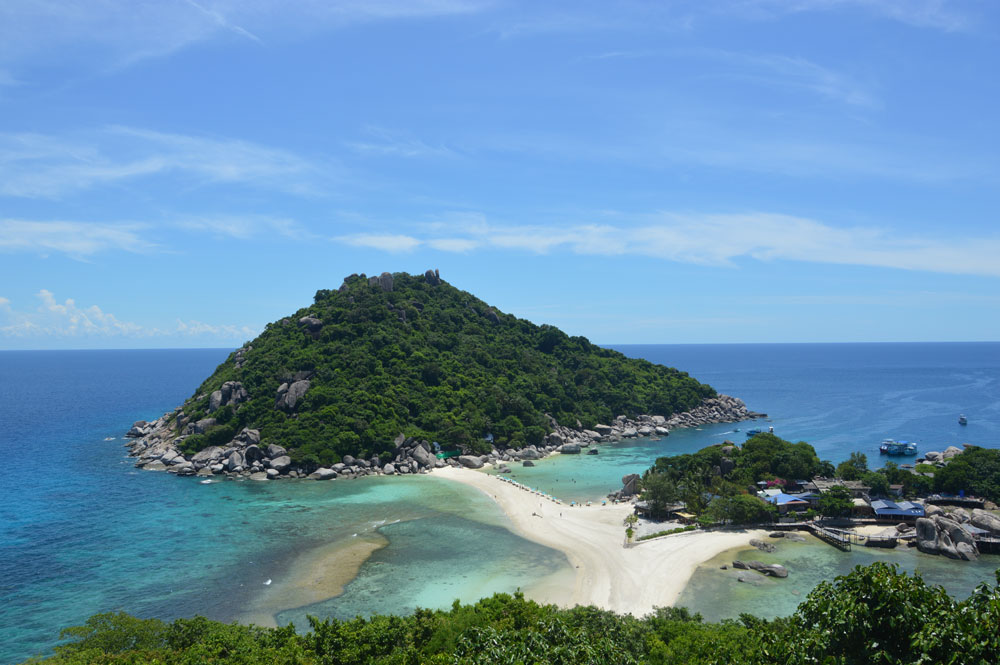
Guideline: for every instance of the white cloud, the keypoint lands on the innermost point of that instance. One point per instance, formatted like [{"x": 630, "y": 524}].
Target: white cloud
[
  {"x": 67, "y": 319},
  {"x": 36, "y": 165},
  {"x": 718, "y": 240},
  {"x": 386, "y": 242},
  {"x": 194, "y": 328},
  {"x": 459, "y": 245},
  {"x": 74, "y": 238},
  {"x": 243, "y": 227}
]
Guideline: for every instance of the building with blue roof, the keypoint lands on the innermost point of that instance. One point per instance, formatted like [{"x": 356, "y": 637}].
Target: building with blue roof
[
  {"x": 786, "y": 502},
  {"x": 906, "y": 510}
]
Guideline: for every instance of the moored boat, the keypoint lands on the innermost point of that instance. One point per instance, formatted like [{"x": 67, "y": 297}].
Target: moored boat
[{"x": 893, "y": 447}]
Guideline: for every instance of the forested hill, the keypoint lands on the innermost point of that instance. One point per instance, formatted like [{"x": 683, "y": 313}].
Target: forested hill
[{"x": 413, "y": 354}]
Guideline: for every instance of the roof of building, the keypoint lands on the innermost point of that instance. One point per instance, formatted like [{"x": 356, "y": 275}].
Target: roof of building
[
  {"x": 783, "y": 499},
  {"x": 901, "y": 509}
]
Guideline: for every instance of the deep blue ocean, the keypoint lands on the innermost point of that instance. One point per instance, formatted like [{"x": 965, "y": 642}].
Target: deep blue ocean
[{"x": 82, "y": 531}]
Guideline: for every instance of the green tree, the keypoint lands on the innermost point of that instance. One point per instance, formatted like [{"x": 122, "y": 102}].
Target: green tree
[
  {"x": 878, "y": 482},
  {"x": 660, "y": 491},
  {"x": 740, "y": 509},
  {"x": 836, "y": 502},
  {"x": 854, "y": 467}
]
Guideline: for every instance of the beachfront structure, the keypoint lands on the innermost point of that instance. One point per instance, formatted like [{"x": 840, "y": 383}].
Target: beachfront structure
[
  {"x": 903, "y": 510},
  {"x": 787, "y": 502}
]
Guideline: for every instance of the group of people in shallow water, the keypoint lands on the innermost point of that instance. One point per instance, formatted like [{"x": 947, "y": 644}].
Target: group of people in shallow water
[{"x": 544, "y": 495}]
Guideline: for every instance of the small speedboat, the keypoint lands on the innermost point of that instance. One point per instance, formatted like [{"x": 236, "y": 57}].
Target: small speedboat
[{"x": 962, "y": 420}]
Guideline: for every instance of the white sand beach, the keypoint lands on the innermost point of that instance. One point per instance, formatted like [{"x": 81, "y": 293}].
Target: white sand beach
[{"x": 630, "y": 580}]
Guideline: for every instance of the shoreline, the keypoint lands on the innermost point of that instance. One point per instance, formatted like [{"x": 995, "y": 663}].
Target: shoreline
[{"x": 632, "y": 580}]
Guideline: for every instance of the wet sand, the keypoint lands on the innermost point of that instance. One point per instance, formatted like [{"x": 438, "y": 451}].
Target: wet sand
[{"x": 316, "y": 575}]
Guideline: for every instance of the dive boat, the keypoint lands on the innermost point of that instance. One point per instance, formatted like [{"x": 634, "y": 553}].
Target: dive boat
[
  {"x": 893, "y": 447},
  {"x": 962, "y": 420}
]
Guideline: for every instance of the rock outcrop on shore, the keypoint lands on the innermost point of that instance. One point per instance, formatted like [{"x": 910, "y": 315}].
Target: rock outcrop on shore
[
  {"x": 941, "y": 532},
  {"x": 157, "y": 445}
]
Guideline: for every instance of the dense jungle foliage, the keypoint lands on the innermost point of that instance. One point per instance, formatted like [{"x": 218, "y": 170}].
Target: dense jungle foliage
[
  {"x": 430, "y": 361},
  {"x": 716, "y": 480},
  {"x": 875, "y": 614}
]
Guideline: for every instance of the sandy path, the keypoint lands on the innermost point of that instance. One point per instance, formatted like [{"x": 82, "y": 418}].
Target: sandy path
[{"x": 630, "y": 580}]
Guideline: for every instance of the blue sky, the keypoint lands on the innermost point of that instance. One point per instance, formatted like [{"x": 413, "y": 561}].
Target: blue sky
[{"x": 180, "y": 173}]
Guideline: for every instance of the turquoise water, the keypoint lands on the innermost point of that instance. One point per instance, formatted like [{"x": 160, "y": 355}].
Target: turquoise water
[
  {"x": 590, "y": 477},
  {"x": 82, "y": 531},
  {"x": 717, "y": 594}
]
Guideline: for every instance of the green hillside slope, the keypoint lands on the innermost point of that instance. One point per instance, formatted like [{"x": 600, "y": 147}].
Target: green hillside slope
[{"x": 413, "y": 354}]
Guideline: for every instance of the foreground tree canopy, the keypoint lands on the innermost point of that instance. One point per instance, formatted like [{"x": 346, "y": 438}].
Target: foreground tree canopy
[
  {"x": 413, "y": 354},
  {"x": 873, "y": 615}
]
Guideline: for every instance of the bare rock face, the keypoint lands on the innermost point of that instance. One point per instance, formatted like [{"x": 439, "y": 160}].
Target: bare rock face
[
  {"x": 422, "y": 456},
  {"x": 985, "y": 520},
  {"x": 942, "y": 535},
  {"x": 311, "y": 323},
  {"x": 290, "y": 394},
  {"x": 323, "y": 474},
  {"x": 209, "y": 454},
  {"x": 433, "y": 277},
  {"x": 470, "y": 461},
  {"x": 951, "y": 451},
  {"x": 231, "y": 392},
  {"x": 630, "y": 484}
]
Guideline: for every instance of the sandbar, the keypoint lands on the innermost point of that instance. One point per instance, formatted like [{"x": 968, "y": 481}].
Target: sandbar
[
  {"x": 316, "y": 575},
  {"x": 628, "y": 580}
]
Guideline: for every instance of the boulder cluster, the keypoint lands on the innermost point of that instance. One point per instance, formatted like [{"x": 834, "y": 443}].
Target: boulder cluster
[
  {"x": 942, "y": 531},
  {"x": 158, "y": 444},
  {"x": 771, "y": 570}
]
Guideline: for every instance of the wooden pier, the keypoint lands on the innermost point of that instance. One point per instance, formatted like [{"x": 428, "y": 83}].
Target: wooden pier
[{"x": 838, "y": 539}]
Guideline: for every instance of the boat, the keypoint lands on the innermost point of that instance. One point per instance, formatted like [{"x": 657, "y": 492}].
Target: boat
[
  {"x": 962, "y": 420},
  {"x": 893, "y": 447},
  {"x": 751, "y": 433}
]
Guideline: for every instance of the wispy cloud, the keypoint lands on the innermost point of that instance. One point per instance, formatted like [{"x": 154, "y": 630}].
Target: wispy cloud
[
  {"x": 243, "y": 227},
  {"x": 195, "y": 328},
  {"x": 793, "y": 73},
  {"x": 38, "y": 165},
  {"x": 67, "y": 319},
  {"x": 384, "y": 142},
  {"x": 937, "y": 14},
  {"x": 111, "y": 34},
  {"x": 387, "y": 242},
  {"x": 722, "y": 240},
  {"x": 79, "y": 239}
]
